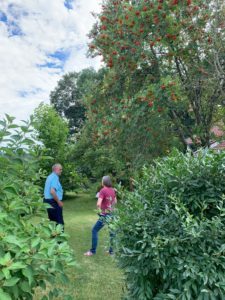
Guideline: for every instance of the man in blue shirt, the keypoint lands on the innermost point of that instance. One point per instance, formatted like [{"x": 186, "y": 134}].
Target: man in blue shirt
[{"x": 53, "y": 195}]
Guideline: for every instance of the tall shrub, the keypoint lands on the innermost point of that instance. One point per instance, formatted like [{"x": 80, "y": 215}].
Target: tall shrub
[
  {"x": 32, "y": 251},
  {"x": 52, "y": 133},
  {"x": 171, "y": 230}
]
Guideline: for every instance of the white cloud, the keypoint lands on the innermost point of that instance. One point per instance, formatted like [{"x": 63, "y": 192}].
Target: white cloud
[
  {"x": 78, "y": 59},
  {"x": 35, "y": 30}
]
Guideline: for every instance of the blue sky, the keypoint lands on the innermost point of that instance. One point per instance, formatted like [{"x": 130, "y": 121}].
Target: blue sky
[
  {"x": 69, "y": 4},
  {"x": 40, "y": 41}
]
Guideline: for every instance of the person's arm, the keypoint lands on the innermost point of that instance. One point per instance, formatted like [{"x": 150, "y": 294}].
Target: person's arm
[
  {"x": 115, "y": 200},
  {"x": 99, "y": 203},
  {"x": 55, "y": 197}
]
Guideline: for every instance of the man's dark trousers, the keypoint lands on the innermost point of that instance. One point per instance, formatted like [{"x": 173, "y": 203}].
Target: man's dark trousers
[{"x": 55, "y": 213}]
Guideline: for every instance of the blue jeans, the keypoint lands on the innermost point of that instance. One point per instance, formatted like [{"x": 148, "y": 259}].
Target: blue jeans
[{"x": 104, "y": 219}]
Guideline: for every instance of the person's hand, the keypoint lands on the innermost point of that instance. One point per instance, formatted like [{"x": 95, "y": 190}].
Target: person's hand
[{"x": 60, "y": 203}]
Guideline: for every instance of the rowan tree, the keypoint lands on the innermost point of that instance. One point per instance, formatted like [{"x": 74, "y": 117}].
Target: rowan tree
[{"x": 179, "y": 46}]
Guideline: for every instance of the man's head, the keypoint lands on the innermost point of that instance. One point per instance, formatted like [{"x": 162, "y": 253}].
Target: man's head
[
  {"x": 57, "y": 169},
  {"x": 106, "y": 181}
]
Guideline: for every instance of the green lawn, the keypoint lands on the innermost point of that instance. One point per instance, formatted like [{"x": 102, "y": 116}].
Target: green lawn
[{"x": 97, "y": 277}]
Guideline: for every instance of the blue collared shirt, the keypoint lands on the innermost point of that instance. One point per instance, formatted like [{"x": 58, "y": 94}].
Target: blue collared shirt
[{"x": 52, "y": 181}]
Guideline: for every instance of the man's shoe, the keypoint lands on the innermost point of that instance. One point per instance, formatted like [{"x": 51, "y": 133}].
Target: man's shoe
[{"x": 109, "y": 253}]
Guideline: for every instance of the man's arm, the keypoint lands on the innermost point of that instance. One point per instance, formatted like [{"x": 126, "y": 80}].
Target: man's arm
[{"x": 55, "y": 197}]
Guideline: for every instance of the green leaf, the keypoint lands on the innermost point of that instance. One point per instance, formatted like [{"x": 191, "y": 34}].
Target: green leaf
[
  {"x": 25, "y": 287},
  {"x": 2, "y": 122},
  {"x": 9, "y": 118},
  {"x": 6, "y": 259},
  {"x": 35, "y": 242},
  {"x": 68, "y": 297},
  {"x": 28, "y": 272},
  {"x": 64, "y": 279},
  {"x": 17, "y": 266},
  {"x": 11, "y": 281},
  {"x": 11, "y": 239},
  {"x": 10, "y": 189},
  {"x": 4, "y": 296},
  {"x": 6, "y": 273},
  {"x": 13, "y": 126},
  {"x": 3, "y": 216}
]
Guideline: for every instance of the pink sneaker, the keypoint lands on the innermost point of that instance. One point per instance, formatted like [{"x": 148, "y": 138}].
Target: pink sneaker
[{"x": 89, "y": 253}]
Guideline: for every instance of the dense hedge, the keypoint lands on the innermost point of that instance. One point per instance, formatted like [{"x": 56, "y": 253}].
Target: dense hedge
[{"x": 171, "y": 230}]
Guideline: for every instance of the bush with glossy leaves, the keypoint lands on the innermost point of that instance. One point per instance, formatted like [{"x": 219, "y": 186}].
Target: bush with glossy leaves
[{"x": 171, "y": 229}]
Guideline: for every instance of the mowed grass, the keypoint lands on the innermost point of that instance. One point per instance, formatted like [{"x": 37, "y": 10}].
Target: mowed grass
[{"x": 97, "y": 277}]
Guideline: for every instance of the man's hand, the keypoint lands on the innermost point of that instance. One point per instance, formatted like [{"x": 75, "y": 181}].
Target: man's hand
[{"x": 60, "y": 203}]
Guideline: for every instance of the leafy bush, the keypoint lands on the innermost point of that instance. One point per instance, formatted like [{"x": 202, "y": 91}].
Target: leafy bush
[
  {"x": 94, "y": 160},
  {"x": 32, "y": 251},
  {"x": 52, "y": 132},
  {"x": 171, "y": 229}
]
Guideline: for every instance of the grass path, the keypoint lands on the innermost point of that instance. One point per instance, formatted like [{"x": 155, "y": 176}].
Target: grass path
[{"x": 97, "y": 277}]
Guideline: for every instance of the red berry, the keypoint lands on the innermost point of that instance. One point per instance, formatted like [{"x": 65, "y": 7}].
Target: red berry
[
  {"x": 160, "y": 109},
  {"x": 156, "y": 19},
  {"x": 175, "y": 2},
  {"x": 110, "y": 63},
  {"x": 172, "y": 37},
  {"x": 103, "y": 18}
]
